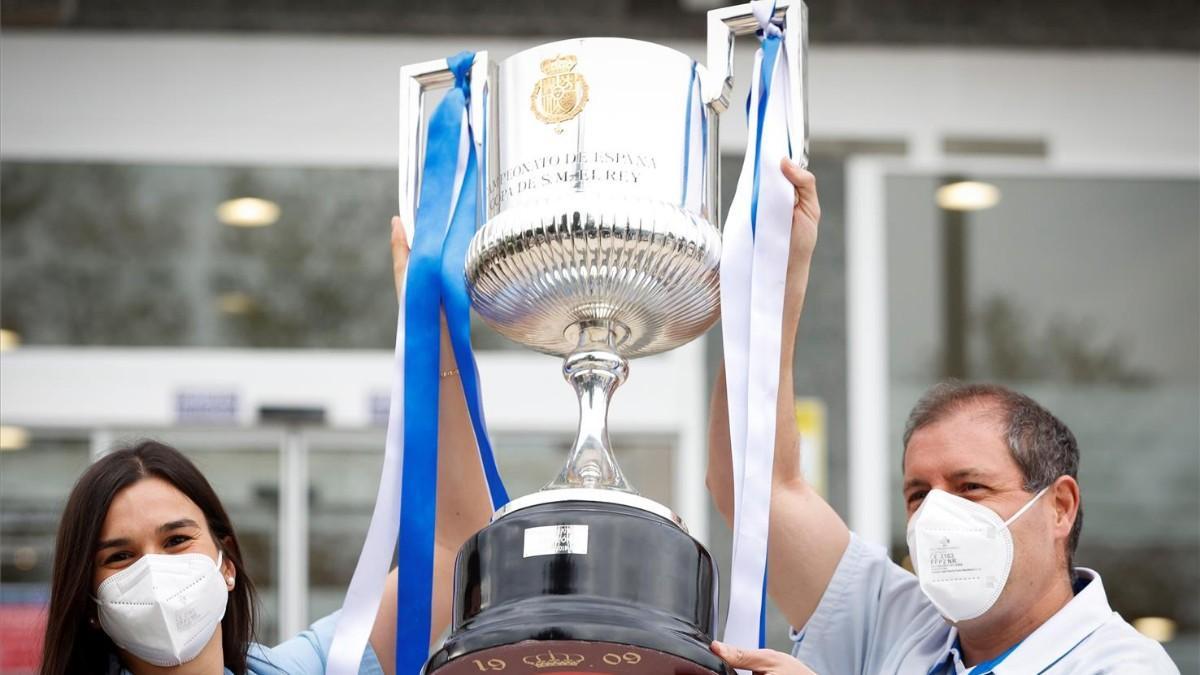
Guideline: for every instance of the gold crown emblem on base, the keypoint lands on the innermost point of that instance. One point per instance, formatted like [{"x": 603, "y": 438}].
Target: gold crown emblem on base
[{"x": 552, "y": 659}]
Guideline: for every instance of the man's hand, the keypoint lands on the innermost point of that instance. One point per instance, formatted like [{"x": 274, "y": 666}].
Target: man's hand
[
  {"x": 760, "y": 661},
  {"x": 805, "y": 215}
]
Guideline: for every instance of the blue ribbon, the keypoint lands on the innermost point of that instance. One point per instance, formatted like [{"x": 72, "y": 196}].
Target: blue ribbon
[
  {"x": 762, "y": 613},
  {"x": 458, "y": 319},
  {"x": 439, "y": 245},
  {"x": 687, "y": 135},
  {"x": 770, "y": 50}
]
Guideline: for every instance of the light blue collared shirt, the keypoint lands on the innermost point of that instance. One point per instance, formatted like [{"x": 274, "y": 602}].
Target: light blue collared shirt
[
  {"x": 874, "y": 619},
  {"x": 304, "y": 654}
]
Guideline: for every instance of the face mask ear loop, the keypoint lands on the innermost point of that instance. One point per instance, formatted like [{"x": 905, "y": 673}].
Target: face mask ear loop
[
  {"x": 221, "y": 572},
  {"x": 1025, "y": 508}
]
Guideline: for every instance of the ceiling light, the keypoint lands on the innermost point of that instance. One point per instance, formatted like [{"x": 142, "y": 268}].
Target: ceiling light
[
  {"x": 13, "y": 438},
  {"x": 9, "y": 339},
  {"x": 967, "y": 195},
  {"x": 248, "y": 212},
  {"x": 1158, "y": 628},
  {"x": 25, "y": 558},
  {"x": 235, "y": 302}
]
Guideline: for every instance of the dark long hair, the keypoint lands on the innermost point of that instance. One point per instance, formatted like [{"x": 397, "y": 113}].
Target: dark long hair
[{"x": 74, "y": 644}]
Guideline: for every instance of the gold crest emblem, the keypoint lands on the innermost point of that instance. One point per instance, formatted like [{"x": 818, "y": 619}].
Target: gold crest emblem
[
  {"x": 553, "y": 660},
  {"x": 561, "y": 95}
]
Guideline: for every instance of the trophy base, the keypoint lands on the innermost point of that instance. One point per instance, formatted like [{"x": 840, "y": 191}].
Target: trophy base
[
  {"x": 573, "y": 657},
  {"x": 572, "y": 587}
]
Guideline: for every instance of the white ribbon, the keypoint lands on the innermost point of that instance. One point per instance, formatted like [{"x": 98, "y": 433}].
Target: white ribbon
[
  {"x": 370, "y": 574},
  {"x": 753, "y": 280}
]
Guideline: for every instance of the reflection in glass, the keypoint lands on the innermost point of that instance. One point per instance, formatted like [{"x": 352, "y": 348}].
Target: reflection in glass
[
  {"x": 247, "y": 481},
  {"x": 34, "y": 484},
  {"x": 137, "y": 255},
  {"x": 343, "y": 483}
]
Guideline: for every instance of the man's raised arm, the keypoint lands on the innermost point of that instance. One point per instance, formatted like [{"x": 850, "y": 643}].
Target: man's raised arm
[{"x": 807, "y": 538}]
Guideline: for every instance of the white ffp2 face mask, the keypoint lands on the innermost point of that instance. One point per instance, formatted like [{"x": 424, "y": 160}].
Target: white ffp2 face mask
[
  {"x": 164, "y": 609},
  {"x": 962, "y": 553}
]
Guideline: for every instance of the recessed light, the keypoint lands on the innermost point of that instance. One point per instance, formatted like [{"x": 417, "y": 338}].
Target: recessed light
[
  {"x": 13, "y": 438},
  {"x": 235, "y": 302},
  {"x": 1158, "y": 628},
  {"x": 9, "y": 339},
  {"x": 968, "y": 195},
  {"x": 25, "y": 558},
  {"x": 248, "y": 212}
]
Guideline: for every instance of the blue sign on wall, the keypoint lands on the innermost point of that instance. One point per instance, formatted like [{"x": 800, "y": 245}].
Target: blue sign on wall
[{"x": 206, "y": 407}]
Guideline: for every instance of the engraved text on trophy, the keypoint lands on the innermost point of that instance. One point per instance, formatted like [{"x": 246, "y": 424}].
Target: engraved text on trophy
[{"x": 572, "y": 168}]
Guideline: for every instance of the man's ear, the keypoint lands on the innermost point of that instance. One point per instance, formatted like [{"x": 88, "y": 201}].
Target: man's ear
[{"x": 1065, "y": 497}]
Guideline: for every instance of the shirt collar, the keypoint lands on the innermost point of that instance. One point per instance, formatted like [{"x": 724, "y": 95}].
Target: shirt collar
[
  {"x": 1086, "y": 612},
  {"x": 951, "y": 661}
]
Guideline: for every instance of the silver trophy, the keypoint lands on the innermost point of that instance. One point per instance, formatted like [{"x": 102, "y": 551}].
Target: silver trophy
[{"x": 600, "y": 183}]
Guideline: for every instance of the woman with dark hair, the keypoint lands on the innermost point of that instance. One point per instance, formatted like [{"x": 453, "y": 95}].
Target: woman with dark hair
[{"x": 148, "y": 576}]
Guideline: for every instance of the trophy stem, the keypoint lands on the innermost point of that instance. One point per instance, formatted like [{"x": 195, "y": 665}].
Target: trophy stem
[{"x": 595, "y": 370}]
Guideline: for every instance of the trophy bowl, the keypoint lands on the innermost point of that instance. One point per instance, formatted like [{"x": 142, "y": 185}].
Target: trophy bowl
[{"x": 541, "y": 272}]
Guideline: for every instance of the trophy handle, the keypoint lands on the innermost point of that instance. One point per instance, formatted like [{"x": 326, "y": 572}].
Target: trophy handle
[
  {"x": 726, "y": 23},
  {"x": 415, "y": 80}
]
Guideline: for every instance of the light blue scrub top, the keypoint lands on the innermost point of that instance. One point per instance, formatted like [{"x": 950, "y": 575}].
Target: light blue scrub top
[
  {"x": 304, "y": 654},
  {"x": 874, "y": 619}
]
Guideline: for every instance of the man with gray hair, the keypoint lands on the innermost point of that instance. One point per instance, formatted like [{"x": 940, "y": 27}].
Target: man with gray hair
[{"x": 994, "y": 515}]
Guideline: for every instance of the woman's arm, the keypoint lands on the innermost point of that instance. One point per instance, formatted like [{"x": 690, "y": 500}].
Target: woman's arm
[{"x": 463, "y": 504}]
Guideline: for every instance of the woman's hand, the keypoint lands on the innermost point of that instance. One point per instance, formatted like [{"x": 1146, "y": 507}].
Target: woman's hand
[
  {"x": 760, "y": 661},
  {"x": 399, "y": 254}
]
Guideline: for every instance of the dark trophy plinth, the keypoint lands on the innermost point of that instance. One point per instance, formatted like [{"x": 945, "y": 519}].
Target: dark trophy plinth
[{"x": 529, "y": 599}]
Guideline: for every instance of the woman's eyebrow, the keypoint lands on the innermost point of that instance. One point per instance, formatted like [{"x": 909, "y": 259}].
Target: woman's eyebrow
[
  {"x": 177, "y": 525},
  {"x": 162, "y": 529},
  {"x": 113, "y": 543}
]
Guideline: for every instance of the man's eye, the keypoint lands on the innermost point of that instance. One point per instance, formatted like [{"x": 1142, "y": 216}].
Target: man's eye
[
  {"x": 917, "y": 496},
  {"x": 972, "y": 486}
]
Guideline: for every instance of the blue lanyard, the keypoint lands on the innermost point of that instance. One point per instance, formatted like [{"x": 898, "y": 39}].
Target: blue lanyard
[{"x": 946, "y": 665}]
